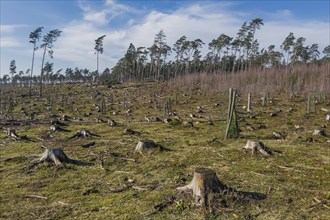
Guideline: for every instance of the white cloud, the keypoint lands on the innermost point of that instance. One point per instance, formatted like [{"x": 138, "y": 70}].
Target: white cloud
[
  {"x": 9, "y": 28},
  {"x": 110, "y": 11},
  {"x": 6, "y": 42},
  {"x": 99, "y": 18},
  {"x": 75, "y": 47}
]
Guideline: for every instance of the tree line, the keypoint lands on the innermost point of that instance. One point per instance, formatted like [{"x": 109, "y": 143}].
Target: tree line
[
  {"x": 226, "y": 55},
  {"x": 47, "y": 74},
  {"x": 161, "y": 62}
]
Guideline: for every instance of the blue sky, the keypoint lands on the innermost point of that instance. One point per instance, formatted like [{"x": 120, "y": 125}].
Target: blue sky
[{"x": 82, "y": 21}]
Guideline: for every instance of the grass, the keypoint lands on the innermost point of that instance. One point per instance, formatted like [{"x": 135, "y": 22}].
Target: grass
[{"x": 129, "y": 185}]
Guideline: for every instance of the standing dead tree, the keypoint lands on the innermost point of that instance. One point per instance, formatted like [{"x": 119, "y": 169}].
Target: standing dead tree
[{"x": 232, "y": 122}]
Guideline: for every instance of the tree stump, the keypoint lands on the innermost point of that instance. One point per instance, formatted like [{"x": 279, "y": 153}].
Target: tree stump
[
  {"x": 255, "y": 146},
  {"x": 55, "y": 155},
  {"x": 112, "y": 123},
  {"x": 319, "y": 133},
  {"x": 57, "y": 128},
  {"x": 83, "y": 133},
  {"x": 144, "y": 145},
  {"x": 129, "y": 131},
  {"x": 327, "y": 117},
  {"x": 205, "y": 181},
  {"x": 12, "y": 133}
]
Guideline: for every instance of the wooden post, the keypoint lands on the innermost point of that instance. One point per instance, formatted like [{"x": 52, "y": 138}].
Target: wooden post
[
  {"x": 308, "y": 103},
  {"x": 249, "y": 102},
  {"x": 232, "y": 116}
]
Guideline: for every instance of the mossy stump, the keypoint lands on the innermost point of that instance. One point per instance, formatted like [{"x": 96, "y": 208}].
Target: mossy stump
[{"x": 205, "y": 181}]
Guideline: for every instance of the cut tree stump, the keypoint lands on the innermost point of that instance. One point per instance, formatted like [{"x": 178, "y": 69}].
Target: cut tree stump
[
  {"x": 112, "y": 123},
  {"x": 83, "y": 133},
  {"x": 12, "y": 133},
  {"x": 319, "y": 133},
  {"x": 205, "y": 181},
  {"x": 144, "y": 145},
  {"x": 55, "y": 155},
  {"x": 327, "y": 117},
  {"x": 255, "y": 146},
  {"x": 56, "y": 127}
]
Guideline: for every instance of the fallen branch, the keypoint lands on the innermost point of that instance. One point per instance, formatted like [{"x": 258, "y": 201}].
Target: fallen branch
[{"x": 35, "y": 196}]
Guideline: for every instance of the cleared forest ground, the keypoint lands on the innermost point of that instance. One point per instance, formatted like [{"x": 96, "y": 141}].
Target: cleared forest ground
[{"x": 115, "y": 182}]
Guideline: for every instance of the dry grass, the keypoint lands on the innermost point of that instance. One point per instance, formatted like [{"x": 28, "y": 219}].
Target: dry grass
[
  {"x": 122, "y": 184},
  {"x": 290, "y": 80}
]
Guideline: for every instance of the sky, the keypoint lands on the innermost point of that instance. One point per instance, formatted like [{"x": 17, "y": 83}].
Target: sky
[{"x": 138, "y": 21}]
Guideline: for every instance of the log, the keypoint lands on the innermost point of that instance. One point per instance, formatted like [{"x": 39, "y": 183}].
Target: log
[
  {"x": 205, "y": 181},
  {"x": 255, "y": 146},
  {"x": 58, "y": 123},
  {"x": 88, "y": 144}
]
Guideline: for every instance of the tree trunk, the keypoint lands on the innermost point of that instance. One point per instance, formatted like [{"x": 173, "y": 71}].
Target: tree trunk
[
  {"x": 42, "y": 70},
  {"x": 205, "y": 181},
  {"x": 32, "y": 69}
]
